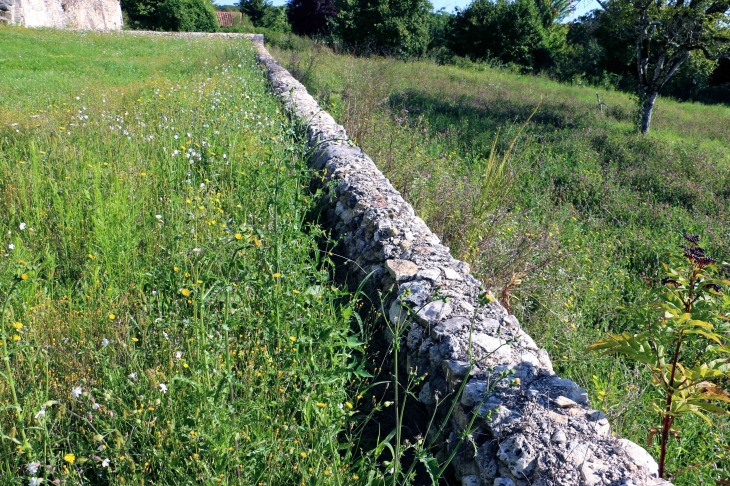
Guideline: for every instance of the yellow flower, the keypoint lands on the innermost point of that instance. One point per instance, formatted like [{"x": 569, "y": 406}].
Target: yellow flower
[
  {"x": 175, "y": 269},
  {"x": 277, "y": 275},
  {"x": 16, "y": 338},
  {"x": 112, "y": 316},
  {"x": 303, "y": 455},
  {"x": 239, "y": 236},
  {"x": 256, "y": 241},
  {"x": 185, "y": 292},
  {"x": 24, "y": 276},
  {"x": 348, "y": 404},
  {"x": 69, "y": 458},
  {"x": 17, "y": 325},
  {"x": 292, "y": 338},
  {"x": 321, "y": 405}
]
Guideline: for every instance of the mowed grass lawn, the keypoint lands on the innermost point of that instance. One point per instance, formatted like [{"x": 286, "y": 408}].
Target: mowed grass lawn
[
  {"x": 571, "y": 232},
  {"x": 166, "y": 314}
]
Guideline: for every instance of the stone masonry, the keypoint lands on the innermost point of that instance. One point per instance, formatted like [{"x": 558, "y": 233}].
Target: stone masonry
[{"x": 530, "y": 427}]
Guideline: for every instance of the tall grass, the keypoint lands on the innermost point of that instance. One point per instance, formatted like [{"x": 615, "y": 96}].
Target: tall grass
[
  {"x": 168, "y": 315},
  {"x": 573, "y": 243}
]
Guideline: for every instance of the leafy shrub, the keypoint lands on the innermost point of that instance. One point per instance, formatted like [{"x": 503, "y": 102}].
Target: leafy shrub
[
  {"x": 310, "y": 17},
  {"x": 187, "y": 16}
]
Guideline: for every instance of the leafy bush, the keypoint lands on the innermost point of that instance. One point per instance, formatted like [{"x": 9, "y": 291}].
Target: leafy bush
[
  {"x": 395, "y": 27},
  {"x": 187, "y": 16},
  {"x": 512, "y": 32},
  {"x": 310, "y": 17}
]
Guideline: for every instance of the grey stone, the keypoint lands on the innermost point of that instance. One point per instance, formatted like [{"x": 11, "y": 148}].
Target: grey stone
[
  {"x": 563, "y": 402},
  {"x": 503, "y": 482},
  {"x": 450, "y": 327},
  {"x": 397, "y": 314},
  {"x": 559, "y": 437},
  {"x": 473, "y": 393},
  {"x": 470, "y": 481},
  {"x": 432, "y": 274},
  {"x": 497, "y": 348},
  {"x": 452, "y": 274},
  {"x": 518, "y": 455},
  {"x": 637, "y": 455},
  {"x": 415, "y": 293},
  {"x": 433, "y": 312}
]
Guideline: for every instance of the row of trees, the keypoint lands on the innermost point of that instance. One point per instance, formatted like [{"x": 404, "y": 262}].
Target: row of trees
[{"x": 680, "y": 47}]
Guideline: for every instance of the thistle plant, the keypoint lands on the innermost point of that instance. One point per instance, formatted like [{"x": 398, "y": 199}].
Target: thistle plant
[{"x": 685, "y": 346}]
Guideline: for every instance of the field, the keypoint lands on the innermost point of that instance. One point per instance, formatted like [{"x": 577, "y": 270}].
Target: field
[
  {"x": 566, "y": 218},
  {"x": 167, "y": 313}
]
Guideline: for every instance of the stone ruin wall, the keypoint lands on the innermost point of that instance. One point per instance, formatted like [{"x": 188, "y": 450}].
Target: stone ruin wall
[
  {"x": 68, "y": 14},
  {"x": 533, "y": 428}
]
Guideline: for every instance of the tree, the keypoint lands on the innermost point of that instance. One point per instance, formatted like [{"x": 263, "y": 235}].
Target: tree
[
  {"x": 311, "y": 17},
  {"x": 511, "y": 31},
  {"x": 398, "y": 27},
  {"x": 255, "y": 10},
  {"x": 665, "y": 33},
  {"x": 187, "y": 16},
  {"x": 175, "y": 15}
]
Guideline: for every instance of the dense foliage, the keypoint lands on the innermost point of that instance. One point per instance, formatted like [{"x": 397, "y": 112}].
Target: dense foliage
[
  {"x": 395, "y": 27},
  {"x": 173, "y": 15},
  {"x": 507, "y": 31},
  {"x": 311, "y": 17}
]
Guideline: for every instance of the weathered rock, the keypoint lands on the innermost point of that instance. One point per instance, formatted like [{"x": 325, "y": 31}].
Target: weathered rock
[{"x": 79, "y": 14}]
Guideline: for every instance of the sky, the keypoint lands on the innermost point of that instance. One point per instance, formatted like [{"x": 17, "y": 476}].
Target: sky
[{"x": 582, "y": 7}]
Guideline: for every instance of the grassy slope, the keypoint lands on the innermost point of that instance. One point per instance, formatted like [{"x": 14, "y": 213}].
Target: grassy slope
[
  {"x": 164, "y": 306},
  {"x": 576, "y": 237}
]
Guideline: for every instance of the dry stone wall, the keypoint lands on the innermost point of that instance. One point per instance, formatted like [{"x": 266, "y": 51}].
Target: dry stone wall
[
  {"x": 69, "y": 14},
  {"x": 532, "y": 427}
]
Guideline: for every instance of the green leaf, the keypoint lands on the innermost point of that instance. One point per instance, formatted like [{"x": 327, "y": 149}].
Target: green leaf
[{"x": 432, "y": 468}]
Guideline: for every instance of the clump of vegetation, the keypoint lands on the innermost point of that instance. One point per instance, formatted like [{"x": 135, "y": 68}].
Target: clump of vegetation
[
  {"x": 171, "y": 15},
  {"x": 166, "y": 313},
  {"x": 692, "y": 324}
]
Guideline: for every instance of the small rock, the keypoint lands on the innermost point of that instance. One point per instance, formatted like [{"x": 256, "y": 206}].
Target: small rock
[
  {"x": 563, "y": 402},
  {"x": 415, "y": 293},
  {"x": 637, "y": 455},
  {"x": 397, "y": 314},
  {"x": 503, "y": 482},
  {"x": 451, "y": 274},
  {"x": 401, "y": 270},
  {"x": 432, "y": 274},
  {"x": 497, "y": 348},
  {"x": 455, "y": 369},
  {"x": 433, "y": 312},
  {"x": 425, "y": 396},
  {"x": 473, "y": 393},
  {"x": 517, "y": 454},
  {"x": 559, "y": 437},
  {"x": 449, "y": 328},
  {"x": 471, "y": 481}
]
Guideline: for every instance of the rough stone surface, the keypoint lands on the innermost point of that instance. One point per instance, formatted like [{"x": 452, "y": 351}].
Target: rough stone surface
[
  {"x": 69, "y": 14},
  {"x": 532, "y": 427}
]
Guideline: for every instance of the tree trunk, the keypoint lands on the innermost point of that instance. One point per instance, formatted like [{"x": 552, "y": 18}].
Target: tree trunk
[{"x": 646, "y": 111}]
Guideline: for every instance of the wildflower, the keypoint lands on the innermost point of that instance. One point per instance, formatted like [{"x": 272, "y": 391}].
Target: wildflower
[
  {"x": 277, "y": 275},
  {"x": 17, "y": 325},
  {"x": 76, "y": 391},
  {"x": 24, "y": 276},
  {"x": 348, "y": 404},
  {"x": 112, "y": 317},
  {"x": 158, "y": 217},
  {"x": 95, "y": 406},
  {"x": 178, "y": 354},
  {"x": 35, "y": 481},
  {"x": 185, "y": 292},
  {"x": 321, "y": 405},
  {"x": 196, "y": 250},
  {"x": 41, "y": 413},
  {"x": 105, "y": 462},
  {"x": 22, "y": 226},
  {"x": 132, "y": 376},
  {"x": 292, "y": 338},
  {"x": 69, "y": 458},
  {"x": 162, "y": 387},
  {"x": 11, "y": 247},
  {"x": 104, "y": 343},
  {"x": 303, "y": 455},
  {"x": 16, "y": 338},
  {"x": 239, "y": 236},
  {"x": 32, "y": 467}
]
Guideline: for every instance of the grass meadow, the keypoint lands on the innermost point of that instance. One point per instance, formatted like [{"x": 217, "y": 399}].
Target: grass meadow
[
  {"x": 566, "y": 218},
  {"x": 167, "y": 314}
]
